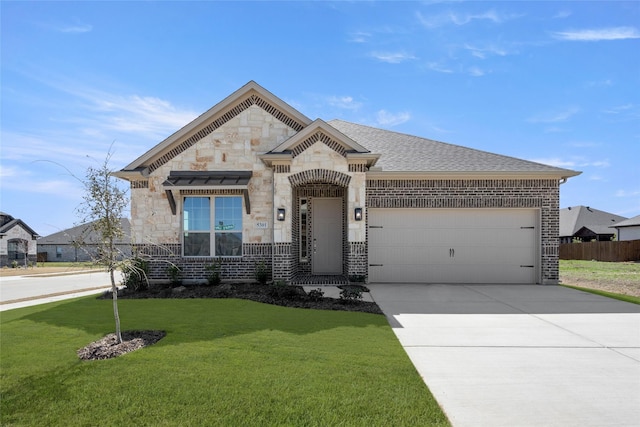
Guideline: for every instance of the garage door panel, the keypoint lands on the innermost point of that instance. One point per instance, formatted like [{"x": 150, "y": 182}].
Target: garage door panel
[{"x": 453, "y": 246}]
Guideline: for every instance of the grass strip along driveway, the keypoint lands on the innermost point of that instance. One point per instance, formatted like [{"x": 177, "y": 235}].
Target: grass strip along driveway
[{"x": 223, "y": 362}]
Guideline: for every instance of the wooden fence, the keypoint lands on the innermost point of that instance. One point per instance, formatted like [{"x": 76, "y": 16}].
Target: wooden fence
[{"x": 602, "y": 251}]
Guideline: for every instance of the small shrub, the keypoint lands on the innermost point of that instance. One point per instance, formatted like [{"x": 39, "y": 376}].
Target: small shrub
[
  {"x": 175, "y": 275},
  {"x": 213, "y": 275},
  {"x": 281, "y": 290},
  {"x": 135, "y": 274},
  {"x": 14, "y": 264},
  {"x": 351, "y": 293},
  {"x": 315, "y": 294},
  {"x": 262, "y": 273}
]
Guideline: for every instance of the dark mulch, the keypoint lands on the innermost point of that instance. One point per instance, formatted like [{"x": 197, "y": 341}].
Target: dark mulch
[
  {"x": 108, "y": 347},
  {"x": 283, "y": 295}
]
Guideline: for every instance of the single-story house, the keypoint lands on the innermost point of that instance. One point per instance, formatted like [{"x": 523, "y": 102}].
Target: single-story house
[
  {"x": 586, "y": 224},
  {"x": 17, "y": 241},
  {"x": 253, "y": 183},
  {"x": 629, "y": 229},
  {"x": 80, "y": 244}
]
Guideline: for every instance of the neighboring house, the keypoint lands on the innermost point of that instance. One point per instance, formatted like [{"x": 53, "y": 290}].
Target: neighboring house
[
  {"x": 253, "y": 182},
  {"x": 79, "y": 244},
  {"x": 17, "y": 241},
  {"x": 629, "y": 229},
  {"x": 586, "y": 224}
]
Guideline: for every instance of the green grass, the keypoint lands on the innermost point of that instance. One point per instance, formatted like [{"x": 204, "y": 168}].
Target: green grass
[
  {"x": 86, "y": 264},
  {"x": 223, "y": 362},
  {"x": 611, "y": 272},
  {"x": 588, "y": 276},
  {"x": 626, "y": 298}
]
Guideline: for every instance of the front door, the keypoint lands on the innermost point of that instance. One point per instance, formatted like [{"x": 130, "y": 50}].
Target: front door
[{"x": 327, "y": 236}]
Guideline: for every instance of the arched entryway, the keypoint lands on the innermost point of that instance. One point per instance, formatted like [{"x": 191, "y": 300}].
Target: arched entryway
[{"x": 319, "y": 226}]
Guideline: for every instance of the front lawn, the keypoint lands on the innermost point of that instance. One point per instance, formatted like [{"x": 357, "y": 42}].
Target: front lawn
[
  {"x": 223, "y": 362},
  {"x": 608, "y": 277}
]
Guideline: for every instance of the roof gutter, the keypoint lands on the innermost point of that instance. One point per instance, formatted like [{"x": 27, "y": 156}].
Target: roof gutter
[{"x": 562, "y": 175}]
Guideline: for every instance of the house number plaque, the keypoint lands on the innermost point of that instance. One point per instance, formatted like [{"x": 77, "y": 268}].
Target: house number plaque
[{"x": 262, "y": 224}]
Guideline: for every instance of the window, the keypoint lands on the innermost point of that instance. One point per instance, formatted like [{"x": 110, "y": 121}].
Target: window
[
  {"x": 58, "y": 252},
  {"x": 228, "y": 220},
  {"x": 303, "y": 230},
  {"x": 226, "y": 239},
  {"x": 17, "y": 249}
]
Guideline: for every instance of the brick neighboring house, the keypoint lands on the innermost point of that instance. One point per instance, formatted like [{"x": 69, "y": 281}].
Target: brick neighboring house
[
  {"x": 587, "y": 224},
  {"x": 65, "y": 245},
  {"x": 17, "y": 241},
  {"x": 253, "y": 181}
]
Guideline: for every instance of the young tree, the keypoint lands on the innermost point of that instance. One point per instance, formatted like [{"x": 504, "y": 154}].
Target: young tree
[{"x": 102, "y": 208}]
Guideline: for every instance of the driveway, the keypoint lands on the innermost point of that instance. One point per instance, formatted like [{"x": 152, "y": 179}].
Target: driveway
[{"x": 520, "y": 355}]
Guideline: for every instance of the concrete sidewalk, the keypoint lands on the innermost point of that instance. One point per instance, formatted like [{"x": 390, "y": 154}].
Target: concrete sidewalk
[{"x": 520, "y": 355}]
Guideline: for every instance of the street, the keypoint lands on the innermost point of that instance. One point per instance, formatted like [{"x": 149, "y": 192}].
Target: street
[{"x": 23, "y": 291}]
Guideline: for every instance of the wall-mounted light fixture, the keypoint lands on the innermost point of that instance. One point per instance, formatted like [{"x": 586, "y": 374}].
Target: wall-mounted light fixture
[
  {"x": 280, "y": 215},
  {"x": 358, "y": 214}
]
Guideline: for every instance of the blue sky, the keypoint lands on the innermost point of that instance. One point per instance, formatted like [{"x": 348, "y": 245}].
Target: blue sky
[{"x": 554, "y": 82}]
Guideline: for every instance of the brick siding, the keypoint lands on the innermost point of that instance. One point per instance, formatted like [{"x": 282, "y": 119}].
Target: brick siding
[{"x": 542, "y": 194}]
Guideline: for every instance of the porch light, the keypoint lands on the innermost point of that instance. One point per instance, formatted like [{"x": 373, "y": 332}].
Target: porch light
[
  {"x": 358, "y": 214},
  {"x": 280, "y": 214}
]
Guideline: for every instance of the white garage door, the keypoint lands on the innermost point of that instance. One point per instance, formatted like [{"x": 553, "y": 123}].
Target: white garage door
[{"x": 453, "y": 245}]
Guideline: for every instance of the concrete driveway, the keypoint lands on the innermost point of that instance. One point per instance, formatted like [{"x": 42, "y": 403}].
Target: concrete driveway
[{"x": 520, "y": 355}]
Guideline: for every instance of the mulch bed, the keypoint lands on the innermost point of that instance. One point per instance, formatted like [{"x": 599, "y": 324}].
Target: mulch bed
[
  {"x": 108, "y": 347},
  {"x": 283, "y": 295}
]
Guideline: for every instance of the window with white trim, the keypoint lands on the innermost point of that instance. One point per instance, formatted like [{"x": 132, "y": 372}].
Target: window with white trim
[{"x": 199, "y": 238}]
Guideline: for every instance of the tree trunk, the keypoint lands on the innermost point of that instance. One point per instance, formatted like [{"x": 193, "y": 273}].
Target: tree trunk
[{"x": 114, "y": 292}]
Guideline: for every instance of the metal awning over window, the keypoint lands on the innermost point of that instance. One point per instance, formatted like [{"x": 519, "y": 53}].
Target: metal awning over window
[{"x": 179, "y": 180}]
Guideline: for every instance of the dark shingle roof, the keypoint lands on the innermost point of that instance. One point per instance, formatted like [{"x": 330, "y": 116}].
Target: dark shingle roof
[
  {"x": 7, "y": 222},
  {"x": 83, "y": 231},
  {"x": 574, "y": 218},
  {"x": 408, "y": 153},
  {"x": 631, "y": 222}
]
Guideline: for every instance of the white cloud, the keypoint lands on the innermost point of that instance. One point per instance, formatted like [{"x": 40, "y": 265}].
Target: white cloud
[
  {"x": 439, "y": 67},
  {"x": 554, "y": 116},
  {"x": 345, "y": 102},
  {"x": 619, "y": 109},
  {"x": 476, "y": 72},
  {"x": 76, "y": 29},
  {"x": 483, "y": 52},
  {"x": 573, "y": 162},
  {"x": 359, "y": 37},
  {"x": 600, "y": 34},
  {"x": 562, "y": 14},
  {"x": 627, "y": 193},
  {"x": 434, "y": 21},
  {"x": 392, "y": 57},
  {"x": 385, "y": 118},
  {"x": 555, "y": 161},
  {"x": 600, "y": 83},
  {"x": 580, "y": 144},
  {"x": 7, "y": 172}
]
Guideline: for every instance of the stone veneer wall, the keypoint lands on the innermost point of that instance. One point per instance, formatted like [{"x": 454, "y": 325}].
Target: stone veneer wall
[{"x": 542, "y": 194}]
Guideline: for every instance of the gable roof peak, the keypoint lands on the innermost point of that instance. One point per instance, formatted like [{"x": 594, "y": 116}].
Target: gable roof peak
[{"x": 249, "y": 94}]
